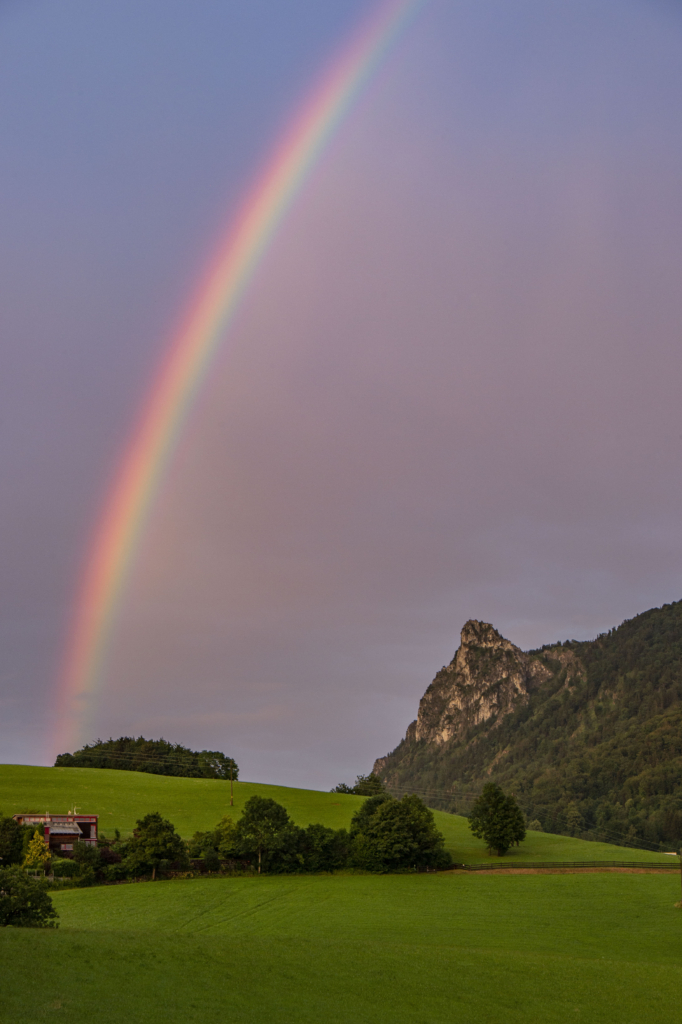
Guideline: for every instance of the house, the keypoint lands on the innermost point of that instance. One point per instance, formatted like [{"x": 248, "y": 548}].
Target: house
[{"x": 63, "y": 830}]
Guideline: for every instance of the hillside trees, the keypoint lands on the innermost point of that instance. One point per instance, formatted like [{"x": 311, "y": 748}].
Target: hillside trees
[
  {"x": 365, "y": 785},
  {"x": 497, "y": 819},
  {"x": 157, "y": 757}
]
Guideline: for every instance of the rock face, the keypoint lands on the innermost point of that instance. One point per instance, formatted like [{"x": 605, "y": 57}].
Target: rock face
[{"x": 487, "y": 679}]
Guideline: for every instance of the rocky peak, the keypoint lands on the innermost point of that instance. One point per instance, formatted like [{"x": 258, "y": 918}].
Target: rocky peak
[
  {"x": 487, "y": 679},
  {"x": 482, "y": 634}
]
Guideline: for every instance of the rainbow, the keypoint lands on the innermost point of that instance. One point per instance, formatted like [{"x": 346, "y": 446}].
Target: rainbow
[{"x": 119, "y": 531}]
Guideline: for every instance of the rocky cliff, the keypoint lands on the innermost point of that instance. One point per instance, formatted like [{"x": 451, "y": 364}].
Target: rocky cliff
[{"x": 488, "y": 678}]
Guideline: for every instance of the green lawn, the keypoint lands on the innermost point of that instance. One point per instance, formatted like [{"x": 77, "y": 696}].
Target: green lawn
[
  {"x": 355, "y": 949},
  {"x": 120, "y": 798}
]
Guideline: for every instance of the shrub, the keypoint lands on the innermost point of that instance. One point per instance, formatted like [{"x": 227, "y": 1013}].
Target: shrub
[
  {"x": 211, "y": 859},
  {"x": 65, "y": 868},
  {"x": 25, "y": 902}
]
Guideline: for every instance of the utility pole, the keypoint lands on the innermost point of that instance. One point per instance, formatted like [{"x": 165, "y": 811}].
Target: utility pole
[{"x": 231, "y": 787}]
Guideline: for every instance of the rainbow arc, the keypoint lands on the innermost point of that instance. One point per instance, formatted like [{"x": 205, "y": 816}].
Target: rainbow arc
[{"x": 177, "y": 383}]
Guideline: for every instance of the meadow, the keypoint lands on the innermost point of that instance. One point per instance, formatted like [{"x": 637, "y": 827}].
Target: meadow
[
  {"x": 120, "y": 798},
  {"x": 404, "y": 949}
]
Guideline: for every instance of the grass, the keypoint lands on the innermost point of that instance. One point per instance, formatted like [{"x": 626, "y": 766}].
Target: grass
[
  {"x": 353, "y": 949},
  {"x": 120, "y": 798}
]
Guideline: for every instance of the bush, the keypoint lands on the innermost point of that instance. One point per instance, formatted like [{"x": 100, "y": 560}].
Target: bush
[
  {"x": 24, "y": 901},
  {"x": 211, "y": 859},
  {"x": 65, "y": 868}
]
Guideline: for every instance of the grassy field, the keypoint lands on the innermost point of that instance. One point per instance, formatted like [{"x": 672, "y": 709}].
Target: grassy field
[
  {"x": 354, "y": 949},
  {"x": 120, "y": 798}
]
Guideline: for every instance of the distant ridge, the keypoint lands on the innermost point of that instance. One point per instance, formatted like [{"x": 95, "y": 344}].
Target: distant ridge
[{"x": 586, "y": 734}]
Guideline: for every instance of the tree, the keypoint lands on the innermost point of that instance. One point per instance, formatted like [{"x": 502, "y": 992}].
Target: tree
[
  {"x": 263, "y": 828},
  {"x": 37, "y": 854},
  {"x": 497, "y": 819},
  {"x": 24, "y": 901},
  {"x": 211, "y": 859},
  {"x": 389, "y": 834},
  {"x": 365, "y": 785},
  {"x": 155, "y": 845},
  {"x": 11, "y": 841},
  {"x": 574, "y": 820},
  {"x": 221, "y": 839},
  {"x": 322, "y": 848}
]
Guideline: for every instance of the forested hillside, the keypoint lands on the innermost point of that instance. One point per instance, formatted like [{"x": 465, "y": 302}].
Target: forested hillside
[{"x": 590, "y": 736}]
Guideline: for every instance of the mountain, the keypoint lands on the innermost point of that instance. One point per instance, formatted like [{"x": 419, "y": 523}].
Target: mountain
[{"x": 586, "y": 734}]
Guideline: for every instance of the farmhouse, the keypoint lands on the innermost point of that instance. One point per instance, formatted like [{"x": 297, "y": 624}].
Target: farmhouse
[{"x": 63, "y": 830}]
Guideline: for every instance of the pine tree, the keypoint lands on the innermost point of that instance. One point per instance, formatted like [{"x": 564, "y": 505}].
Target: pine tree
[{"x": 37, "y": 854}]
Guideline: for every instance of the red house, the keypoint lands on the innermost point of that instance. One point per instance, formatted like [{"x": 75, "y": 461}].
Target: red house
[{"x": 63, "y": 830}]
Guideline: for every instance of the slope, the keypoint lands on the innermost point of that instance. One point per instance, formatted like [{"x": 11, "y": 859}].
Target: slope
[{"x": 120, "y": 798}]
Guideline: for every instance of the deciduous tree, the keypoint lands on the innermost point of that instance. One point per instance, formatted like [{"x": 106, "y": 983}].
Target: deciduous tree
[
  {"x": 155, "y": 845},
  {"x": 390, "y": 834},
  {"x": 497, "y": 819}
]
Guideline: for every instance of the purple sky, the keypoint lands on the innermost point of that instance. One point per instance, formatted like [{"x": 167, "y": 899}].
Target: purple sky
[{"x": 453, "y": 390}]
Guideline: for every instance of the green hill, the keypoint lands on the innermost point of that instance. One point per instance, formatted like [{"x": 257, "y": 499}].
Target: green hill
[
  {"x": 405, "y": 949},
  {"x": 120, "y": 798},
  {"x": 587, "y": 735}
]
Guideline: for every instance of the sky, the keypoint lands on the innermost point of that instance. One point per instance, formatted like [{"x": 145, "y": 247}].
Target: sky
[{"x": 451, "y": 390}]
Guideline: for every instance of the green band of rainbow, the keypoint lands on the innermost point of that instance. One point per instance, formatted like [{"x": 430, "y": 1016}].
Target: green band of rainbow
[{"x": 119, "y": 531}]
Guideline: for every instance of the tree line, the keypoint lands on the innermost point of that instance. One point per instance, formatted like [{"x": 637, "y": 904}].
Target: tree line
[{"x": 156, "y": 757}]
